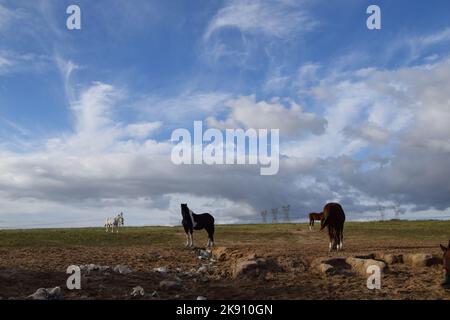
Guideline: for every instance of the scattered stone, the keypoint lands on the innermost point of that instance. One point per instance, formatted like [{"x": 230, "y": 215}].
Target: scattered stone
[
  {"x": 160, "y": 270},
  {"x": 122, "y": 269},
  {"x": 88, "y": 268},
  {"x": 170, "y": 285},
  {"x": 47, "y": 294},
  {"x": 201, "y": 298},
  {"x": 138, "y": 291},
  {"x": 154, "y": 294},
  {"x": 422, "y": 260},
  {"x": 202, "y": 269},
  {"x": 204, "y": 254}
]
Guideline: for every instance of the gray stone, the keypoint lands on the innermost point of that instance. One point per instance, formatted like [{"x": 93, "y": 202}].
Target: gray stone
[
  {"x": 160, "y": 270},
  {"x": 122, "y": 269},
  {"x": 138, "y": 291},
  {"x": 47, "y": 294},
  {"x": 202, "y": 269},
  {"x": 201, "y": 298},
  {"x": 204, "y": 254}
]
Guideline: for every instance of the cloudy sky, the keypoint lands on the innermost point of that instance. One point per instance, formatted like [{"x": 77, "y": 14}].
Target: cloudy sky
[{"x": 86, "y": 115}]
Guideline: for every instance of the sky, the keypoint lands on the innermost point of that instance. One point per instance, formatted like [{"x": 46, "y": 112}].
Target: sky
[{"x": 86, "y": 115}]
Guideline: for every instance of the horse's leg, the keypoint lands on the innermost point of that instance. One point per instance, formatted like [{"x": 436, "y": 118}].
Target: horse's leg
[
  {"x": 210, "y": 237},
  {"x": 331, "y": 236},
  {"x": 191, "y": 238},
  {"x": 338, "y": 238},
  {"x": 187, "y": 240}
]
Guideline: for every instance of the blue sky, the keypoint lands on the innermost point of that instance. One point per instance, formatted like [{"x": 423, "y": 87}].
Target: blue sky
[{"x": 86, "y": 115}]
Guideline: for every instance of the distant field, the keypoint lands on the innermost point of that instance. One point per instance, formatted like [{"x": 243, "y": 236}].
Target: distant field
[{"x": 225, "y": 234}]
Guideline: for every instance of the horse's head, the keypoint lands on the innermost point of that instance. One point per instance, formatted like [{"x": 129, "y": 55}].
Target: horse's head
[
  {"x": 184, "y": 210},
  {"x": 446, "y": 259},
  {"x": 120, "y": 218}
]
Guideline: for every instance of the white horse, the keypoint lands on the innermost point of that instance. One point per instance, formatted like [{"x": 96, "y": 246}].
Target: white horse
[{"x": 114, "y": 222}]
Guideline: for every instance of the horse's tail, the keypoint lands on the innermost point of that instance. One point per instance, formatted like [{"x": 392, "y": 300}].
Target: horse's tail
[{"x": 325, "y": 222}]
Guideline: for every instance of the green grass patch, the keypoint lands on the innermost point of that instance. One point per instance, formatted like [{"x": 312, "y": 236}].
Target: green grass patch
[{"x": 225, "y": 234}]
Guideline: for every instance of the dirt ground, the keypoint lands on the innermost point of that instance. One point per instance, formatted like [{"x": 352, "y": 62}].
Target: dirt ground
[{"x": 24, "y": 270}]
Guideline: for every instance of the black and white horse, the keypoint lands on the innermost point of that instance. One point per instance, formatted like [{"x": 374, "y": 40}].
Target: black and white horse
[
  {"x": 116, "y": 222},
  {"x": 192, "y": 221}
]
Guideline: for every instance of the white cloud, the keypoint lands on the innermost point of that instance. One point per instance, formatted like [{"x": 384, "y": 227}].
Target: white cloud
[
  {"x": 407, "y": 111},
  {"x": 245, "y": 112},
  {"x": 271, "y": 18},
  {"x": 245, "y": 31},
  {"x": 6, "y": 17},
  {"x": 142, "y": 130}
]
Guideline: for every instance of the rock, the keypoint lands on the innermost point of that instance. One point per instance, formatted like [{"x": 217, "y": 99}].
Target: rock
[
  {"x": 204, "y": 254},
  {"x": 245, "y": 267},
  {"x": 138, "y": 291},
  {"x": 255, "y": 267},
  {"x": 170, "y": 285},
  {"x": 47, "y": 294},
  {"x": 202, "y": 269},
  {"x": 88, "y": 268},
  {"x": 327, "y": 268},
  {"x": 201, "y": 298},
  {"x": 390, "y": 258},
  {"x": 122, "y": 269},
  {"x": 154, "y": 294},
  {"x": 219, "y": 253},
  {"x": 160, "y": 269},
  {"x": 360, "y": 265},
  {"x": 422, "y": 260}
]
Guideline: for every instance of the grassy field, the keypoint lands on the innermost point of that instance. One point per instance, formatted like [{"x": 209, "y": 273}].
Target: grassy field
[{"x": 171, "y": 236}]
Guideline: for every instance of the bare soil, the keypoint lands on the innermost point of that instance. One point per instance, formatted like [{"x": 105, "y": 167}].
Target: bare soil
[{"x": 25, "y": 269}]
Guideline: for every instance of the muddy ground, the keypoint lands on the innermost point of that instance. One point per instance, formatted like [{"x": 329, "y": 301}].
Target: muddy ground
[{"x": 287, "y": 272}]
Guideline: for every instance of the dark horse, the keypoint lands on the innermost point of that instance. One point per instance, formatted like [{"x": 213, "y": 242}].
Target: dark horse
[
  {"x": 446, "y": 259},
  {"x": 192, "y": 221},
  {"x": 313, "y": 216},
  {"x": 334, "y": 218}
]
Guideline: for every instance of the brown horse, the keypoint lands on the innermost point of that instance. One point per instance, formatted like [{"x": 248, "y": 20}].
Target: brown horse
[
  {"x": 334, "y": 218},
  {"x": 313, "y": 216},
  {"x": 446, "y": 259}
]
